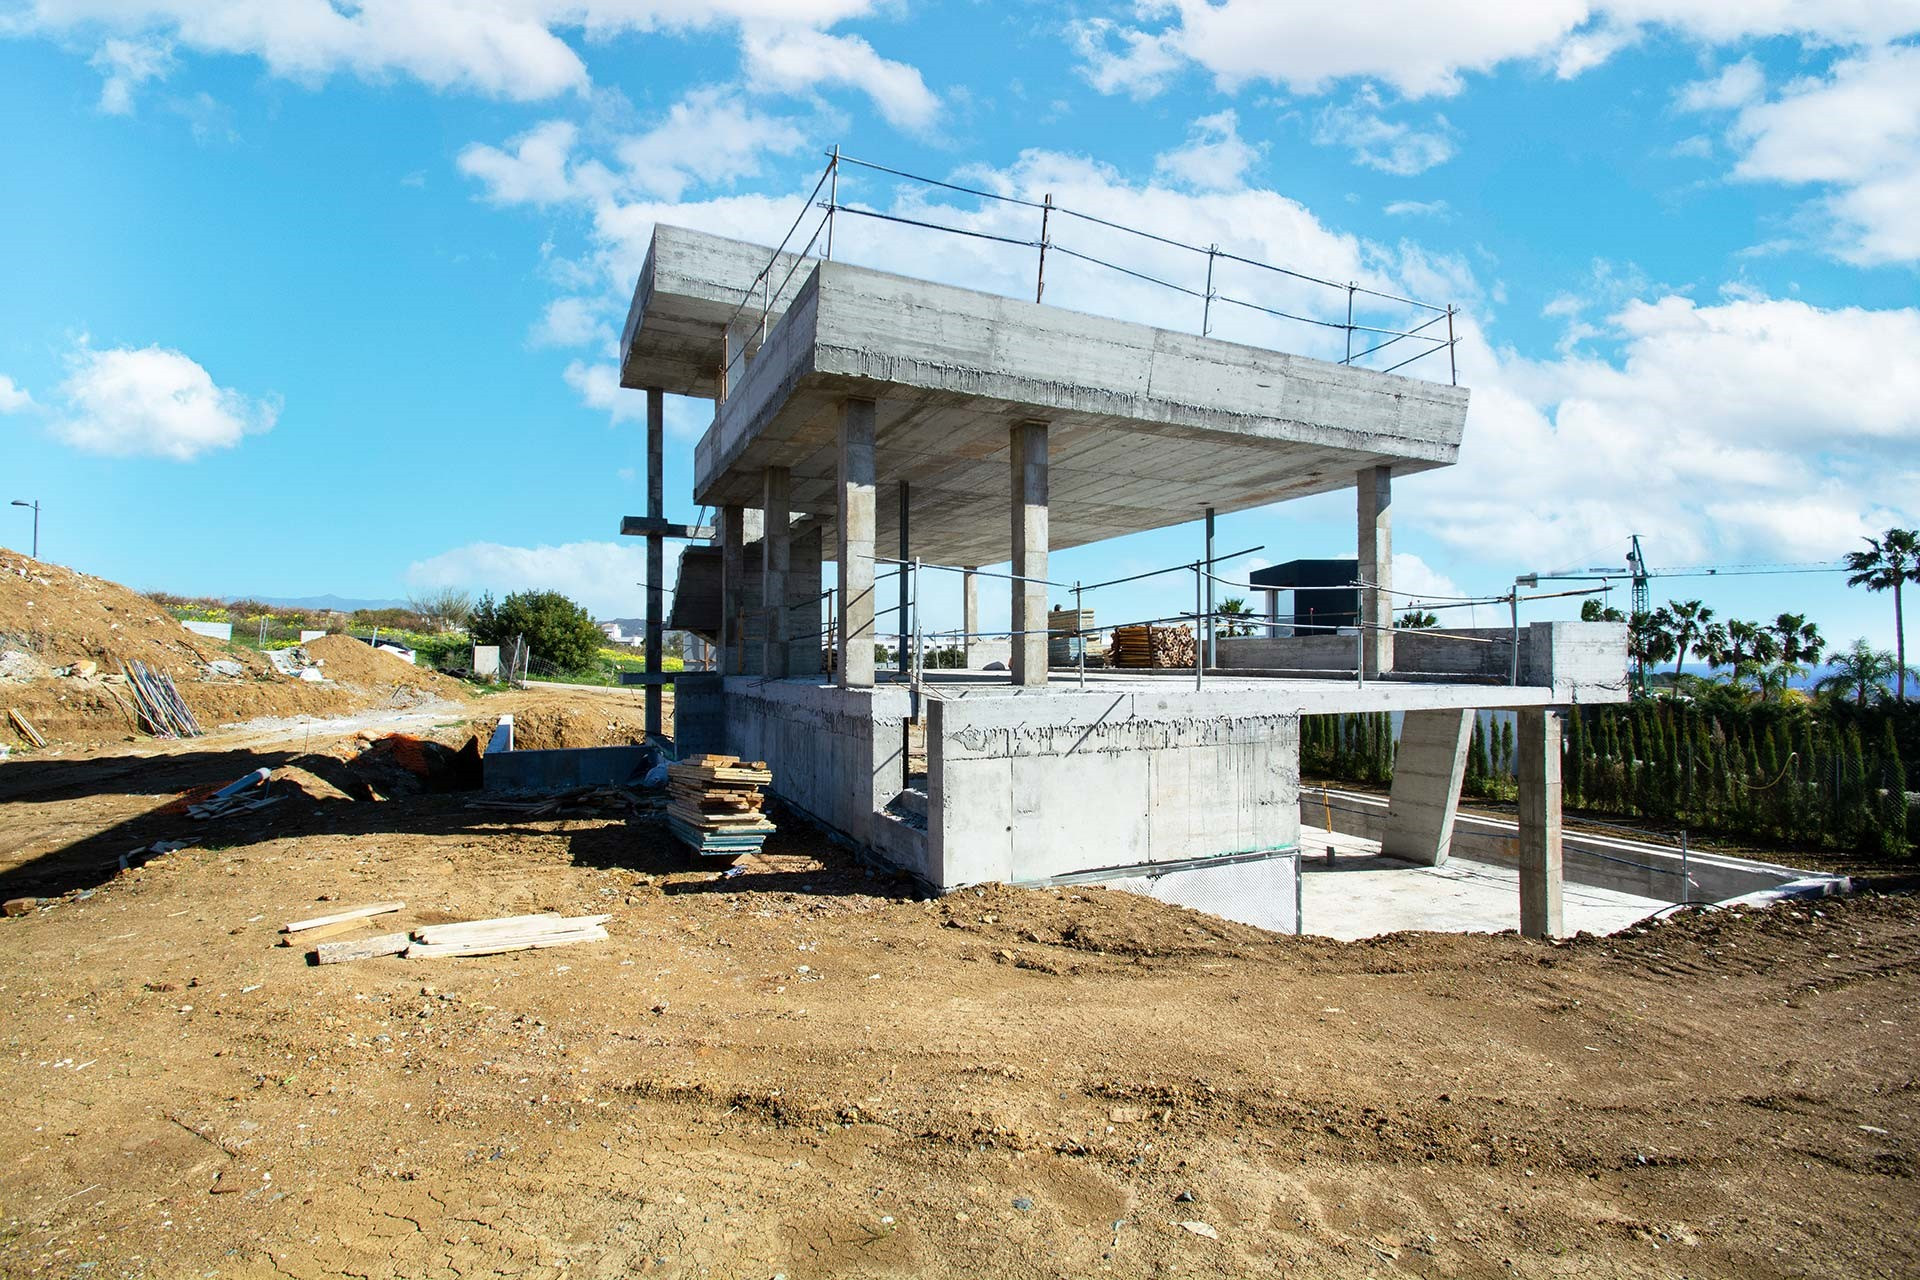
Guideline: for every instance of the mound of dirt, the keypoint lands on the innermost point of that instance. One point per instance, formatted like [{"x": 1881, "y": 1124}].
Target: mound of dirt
[
  {"x": 345, "y": 660},
  {"x": 544, "y": 728},
  {"x": 64, "y": 637}
]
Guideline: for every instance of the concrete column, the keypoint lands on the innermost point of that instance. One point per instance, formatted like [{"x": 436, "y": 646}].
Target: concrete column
[
  {"x": 1427, "y": 772},
  {"x": 656, "y": 553},
  {"x": 1029, "y": 454},
  {"x": 1376, "y": 567},
  {"x": 803, "y": 601},
  {"x": 1273, "y": 614},
  {"x": 1212, "y": 651},
  {"x": 903, "y": 658},
  {"x": 853, "y": 541},
  {"x": 776, "y": 562},
  {"x": 733, "y": 594},
  {"x": 970, "y": 617},
  {"x": 1538, "y": 747}
]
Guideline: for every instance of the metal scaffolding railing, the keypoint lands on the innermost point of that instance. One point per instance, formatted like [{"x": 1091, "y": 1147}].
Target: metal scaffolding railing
[{"x": 762, "y": 293}]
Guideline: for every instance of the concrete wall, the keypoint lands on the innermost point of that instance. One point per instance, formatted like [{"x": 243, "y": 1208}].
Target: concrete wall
[
  {"x": 1583, "y": 662},
  {"x": 1023, "y": 787},
  {"x": 562, "y": 769},
  {"x": 835, "y": 754}
]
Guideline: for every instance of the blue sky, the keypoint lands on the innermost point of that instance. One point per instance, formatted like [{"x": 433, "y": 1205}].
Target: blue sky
[{"x": 304, "y": 297}]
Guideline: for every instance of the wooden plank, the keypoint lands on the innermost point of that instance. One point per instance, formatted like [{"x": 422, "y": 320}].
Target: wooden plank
[
  {"x": 498, "y": 946},
  {"x": 386, "y": 944},
  {"x": 376, "y": 909},
  {"x": 335, "y": 930},
  {"x": 505, "y": 926},
  {"x": 27, "y": 731}
]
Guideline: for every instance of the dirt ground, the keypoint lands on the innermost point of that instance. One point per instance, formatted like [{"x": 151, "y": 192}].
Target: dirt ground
[{"x": 807, "y": 1071}]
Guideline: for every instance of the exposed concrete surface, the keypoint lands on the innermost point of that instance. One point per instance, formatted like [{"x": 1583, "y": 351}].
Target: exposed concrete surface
[
  {"x": 561, "y": 768},
  {"x": 1542, "y": 860},
  {"x": 1427, "y": 771},
  {"x": 1374, "y": 502},
  {"x": 1147, "y": 425},
  {"x": 1364, "y": 894},
  {"x": 854, "y": 543},
  {"x": 1028, "y": 457},
  {"x": 690, "y": 286}
]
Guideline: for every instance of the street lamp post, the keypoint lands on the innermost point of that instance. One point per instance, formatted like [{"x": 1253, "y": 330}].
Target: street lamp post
[{"x": 35, "y": 504}]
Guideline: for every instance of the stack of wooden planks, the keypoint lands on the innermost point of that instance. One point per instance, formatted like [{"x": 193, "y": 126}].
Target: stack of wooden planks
[
  {"x": 428, "y": 942},
  {"x": 713, "y": 804},
  {"x": 1151, "y": 646}
]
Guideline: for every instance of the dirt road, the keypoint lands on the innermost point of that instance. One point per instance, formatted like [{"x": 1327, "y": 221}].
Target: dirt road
[{"x": 804, "y": 1071}]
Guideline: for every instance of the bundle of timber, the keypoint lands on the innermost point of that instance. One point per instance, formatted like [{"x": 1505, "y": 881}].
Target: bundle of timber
[
  {"x": 713, "y": 804},
  {"x": 162, "y": 713},
  {"x": 1067, "y": 634},
  {"x": 1151, "y": 646}
]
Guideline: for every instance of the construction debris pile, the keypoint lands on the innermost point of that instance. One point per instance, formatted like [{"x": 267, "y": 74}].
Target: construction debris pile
[
  {"x": 713, "y": 804},
  {"x": 1151, "y": 646},
  {"x": 254, "y": 791}
]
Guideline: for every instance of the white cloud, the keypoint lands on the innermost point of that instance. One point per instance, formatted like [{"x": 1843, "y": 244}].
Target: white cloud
[
  {"x": 535, "y": 171},
  {"x": 1427, "y": 47},
  {"x": 1755, "y": 428},
  {"x": 1418, "y": 209},
  {"x": 598, "y": 386},
  {"x": 602, "y": 576},
  {"x": 153, "y": 402},
  {"x": 572, "y": 322},
  {"x": 125, "y": 65},
  {"x": 1390, "y": 146},
  {"x": 797, "y": 59},
  {"x": 1858, "y": 131},
  {"x": 1413, "y": 575},
  {"x": 1735, "y": 86},
  {"x": 13, "y": 396},
  {"x": 709, "y": 137},
  {"x": 1215, "y": 157}
]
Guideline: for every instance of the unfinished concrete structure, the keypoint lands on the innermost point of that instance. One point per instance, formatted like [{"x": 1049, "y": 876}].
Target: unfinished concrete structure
[{"x": 871, "y": 419}]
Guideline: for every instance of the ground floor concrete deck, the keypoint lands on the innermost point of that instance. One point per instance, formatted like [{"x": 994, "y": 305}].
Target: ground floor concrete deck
[{"x": 1361, "y": 894}]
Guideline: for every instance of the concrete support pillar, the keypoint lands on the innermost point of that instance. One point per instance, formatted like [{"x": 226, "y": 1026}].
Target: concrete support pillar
[
  {"x": 656, "y": 554},
  {"x": 776, "y": 562},
  {"x": 1212, "y": 651},
  {"x": 970, "y": 617},
  {"x": 1029, "y": 454},
  {"x": 1538, "y": 746},
  {"x": 1376, "y": 567},
  {"x": 1427, "y": 772},
  {"x": 903, "y": 657},
  {"x": 853, "y": 541},
  {"x": 733, "y": 594},
  {"x": 803, "y": 601}
]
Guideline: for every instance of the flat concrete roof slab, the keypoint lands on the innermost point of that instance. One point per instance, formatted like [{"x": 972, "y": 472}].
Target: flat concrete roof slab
[
  {"x": 1148, "y": 426},
  {"x": 691, "y": 285}
]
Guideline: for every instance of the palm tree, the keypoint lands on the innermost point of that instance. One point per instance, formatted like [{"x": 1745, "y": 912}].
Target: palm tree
[
  {"x": 1688, "y": 624},
  {"x": 1416, "y": 620},
  {"x": 1236, "y": 608},
  {"x": 1800, "y": 643},
  {"x": 1890, "y": 560},
  {"x": 1749, "y": 648},
  {"x": 1859, "y": 670}
]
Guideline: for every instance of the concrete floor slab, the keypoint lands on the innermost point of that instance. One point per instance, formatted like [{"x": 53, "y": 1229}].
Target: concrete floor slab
[{"x": 1363, "y": 894}]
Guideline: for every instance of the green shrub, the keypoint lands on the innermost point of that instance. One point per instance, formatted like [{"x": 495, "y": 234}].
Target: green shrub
[{"x": 560, "y": 635}]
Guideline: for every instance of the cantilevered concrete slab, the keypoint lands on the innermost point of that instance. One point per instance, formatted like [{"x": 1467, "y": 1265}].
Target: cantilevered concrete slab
[
  {"x": 691, "y": 286},
  {"x": 1146, "y": 426}
]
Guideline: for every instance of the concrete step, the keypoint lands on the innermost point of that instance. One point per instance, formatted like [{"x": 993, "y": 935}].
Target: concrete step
[{"x": 912, "y": 801}]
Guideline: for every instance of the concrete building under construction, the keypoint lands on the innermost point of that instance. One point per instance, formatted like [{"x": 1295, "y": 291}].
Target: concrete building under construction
[{"x": 897, "y": 427}]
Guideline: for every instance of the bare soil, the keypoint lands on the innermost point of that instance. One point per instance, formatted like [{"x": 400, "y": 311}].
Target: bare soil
[
  {"x": 808, "y": 1071},
  {"x": 54, "y": 620}
]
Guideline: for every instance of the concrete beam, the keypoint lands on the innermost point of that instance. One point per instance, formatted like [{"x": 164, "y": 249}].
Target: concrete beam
[
  {"x": 776, "y": 561},
  {"x": 970, "y": 616},
  {"x": 1376, "y": 567},
  {"x": 1541, "y": 854},
  {"x": 1427, "y": 772},
  {"x": 1028, "y": 454},
  {"x": 853, "y": 541}
]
